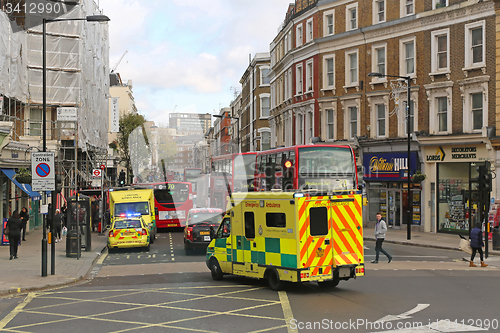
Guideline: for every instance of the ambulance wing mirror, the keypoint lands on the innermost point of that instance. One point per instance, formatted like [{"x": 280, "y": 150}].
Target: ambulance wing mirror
[
  {"x": 360, "y": 187},
  {"x": 213, "y": 234}
]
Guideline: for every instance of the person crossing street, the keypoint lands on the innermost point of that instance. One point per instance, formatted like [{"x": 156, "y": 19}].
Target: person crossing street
[{"x": 380, "y": 231}]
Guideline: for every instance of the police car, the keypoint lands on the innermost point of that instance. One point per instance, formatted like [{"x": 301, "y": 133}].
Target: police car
[{"x": 127, "y": 232}]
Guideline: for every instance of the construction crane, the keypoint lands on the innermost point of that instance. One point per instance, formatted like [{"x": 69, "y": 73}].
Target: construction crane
[{"x": 114, "y": 68}]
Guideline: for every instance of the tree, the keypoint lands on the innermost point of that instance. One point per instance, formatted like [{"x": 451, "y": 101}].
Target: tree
[{"x": 130, "y": 124}]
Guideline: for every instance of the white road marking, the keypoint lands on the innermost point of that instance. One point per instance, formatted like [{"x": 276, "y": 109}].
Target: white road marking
[
  {"x": 442, "y": 326},
  {"x": 404, "y": 315}
]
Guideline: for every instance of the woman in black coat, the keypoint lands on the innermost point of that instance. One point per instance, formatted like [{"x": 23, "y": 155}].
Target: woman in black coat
[
  {"x": 476, "y": 243},
  {"x": 15, "y": 224},
  {"x": 25, "y": 216}
]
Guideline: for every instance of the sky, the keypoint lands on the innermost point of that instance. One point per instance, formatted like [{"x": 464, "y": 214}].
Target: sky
[{"x": 188, "y": 55}]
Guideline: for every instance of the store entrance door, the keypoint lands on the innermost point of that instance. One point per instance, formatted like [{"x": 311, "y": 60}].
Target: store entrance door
[{"x": 394, "y": 207}]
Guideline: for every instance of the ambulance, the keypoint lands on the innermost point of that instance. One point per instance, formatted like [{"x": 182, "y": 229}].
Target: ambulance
[
  {"x": 129, "y": 202},
  {"x": 290, "y": 236}
]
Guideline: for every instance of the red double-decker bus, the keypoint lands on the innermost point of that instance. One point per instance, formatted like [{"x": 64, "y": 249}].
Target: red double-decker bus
[
  {"x": 231, "y": 172},
  {"x": 173, "y": 201},
  {"x": 191, "y": 175},
  {"x": 307, "y": 167}
]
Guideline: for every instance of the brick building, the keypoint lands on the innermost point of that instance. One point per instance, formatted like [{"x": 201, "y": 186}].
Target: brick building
[
  {"x": 255, "y": 103},
  {"x": 321, "y": 91}
]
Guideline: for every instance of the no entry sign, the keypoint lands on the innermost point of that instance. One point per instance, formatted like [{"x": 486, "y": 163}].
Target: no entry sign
[{"x": 43, "y": 177}]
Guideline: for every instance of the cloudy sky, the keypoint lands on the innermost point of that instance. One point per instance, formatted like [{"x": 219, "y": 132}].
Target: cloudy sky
[{"x": 188, "y": 55}]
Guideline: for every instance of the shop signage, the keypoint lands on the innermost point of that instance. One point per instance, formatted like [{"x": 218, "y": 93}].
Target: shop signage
[
  {"x": 115, "y": 115},
  {"x": 391, "y": 166},
  {"x": 458, "y": 153}
]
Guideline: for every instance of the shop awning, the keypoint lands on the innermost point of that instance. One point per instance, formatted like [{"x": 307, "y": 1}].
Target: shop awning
[{"x": 25, "y": 187}]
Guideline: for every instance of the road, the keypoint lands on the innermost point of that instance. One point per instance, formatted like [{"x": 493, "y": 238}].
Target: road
[{"x": 164, "y": 290}]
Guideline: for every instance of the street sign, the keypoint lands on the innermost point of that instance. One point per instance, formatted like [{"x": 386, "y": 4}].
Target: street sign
[
  {"x": 96, "y": 173},
  {"x": 43, "y": 175},
  {"x": 67, "y": 114},
  {"x": 103, "y": 167}
]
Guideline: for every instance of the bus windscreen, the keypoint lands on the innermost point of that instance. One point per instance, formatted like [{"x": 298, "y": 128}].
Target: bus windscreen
[
  {"x": 173, "y": 193},
  {"x": 326, "y": 160}
]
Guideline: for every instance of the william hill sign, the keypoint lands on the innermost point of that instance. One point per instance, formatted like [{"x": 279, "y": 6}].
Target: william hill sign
[{"x": 391, "y": 166}]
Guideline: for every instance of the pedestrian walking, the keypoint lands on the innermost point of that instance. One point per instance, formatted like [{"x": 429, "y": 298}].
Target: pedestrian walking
[
  {"x": 14, "y": 223},
  {"x": 58, "y": 225},
  {"x": 49, "y": 218},
  {"x": 25, "y": 216},
  {"x": 380, "y": 231},
  {"x": 64, "y": 210},
  {"x": 476, "y": 243}
]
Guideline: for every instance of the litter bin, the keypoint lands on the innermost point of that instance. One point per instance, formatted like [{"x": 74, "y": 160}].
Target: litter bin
[
  {"x": 72, "y": 244},
  {"x": 496, "y": 238}
]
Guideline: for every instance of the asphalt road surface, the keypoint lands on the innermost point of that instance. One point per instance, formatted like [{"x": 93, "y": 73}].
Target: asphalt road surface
[{"x": 163, "y": 290}]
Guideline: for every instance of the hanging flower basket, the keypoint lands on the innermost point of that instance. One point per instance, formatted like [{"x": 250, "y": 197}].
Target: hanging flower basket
[
  {"x": 418, "y": 177},
  {"x": 23, "y": 176}
]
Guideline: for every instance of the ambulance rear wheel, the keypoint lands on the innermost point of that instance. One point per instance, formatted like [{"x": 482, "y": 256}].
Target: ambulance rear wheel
[
  {"x": 274, "y": 280},
  {"x": 215, "y": 270}
]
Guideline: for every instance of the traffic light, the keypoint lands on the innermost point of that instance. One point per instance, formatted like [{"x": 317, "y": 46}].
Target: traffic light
[
  {"x": 58, "y": 183},
  {"x": 484, "y": 179},
  {"x": 480, "y": 169},
  {"x": 121, "y": 178}
]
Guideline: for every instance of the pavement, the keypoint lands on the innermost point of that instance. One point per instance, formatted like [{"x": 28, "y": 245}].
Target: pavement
[{"x": 24, "y": 274}]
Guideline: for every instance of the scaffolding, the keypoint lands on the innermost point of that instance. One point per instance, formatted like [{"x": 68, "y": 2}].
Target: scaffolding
[{"x": 77, "y": 76}]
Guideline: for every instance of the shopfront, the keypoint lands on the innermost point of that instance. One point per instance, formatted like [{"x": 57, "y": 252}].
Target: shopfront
[
  {"x": 453, "y": 185},
  {"x": 385, "y": 176}
]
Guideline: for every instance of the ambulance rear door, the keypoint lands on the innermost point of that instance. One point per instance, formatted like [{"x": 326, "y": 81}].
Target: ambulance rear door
[
  {"x": 346, "y": 219},
  {"x": 315, "y": 237}
]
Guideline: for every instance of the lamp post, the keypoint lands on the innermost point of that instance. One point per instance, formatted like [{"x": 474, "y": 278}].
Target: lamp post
[
  {"x": 93, "y": 18},
  {"x": 237, "y": 126},
  {"x": 409, "y": 219}
]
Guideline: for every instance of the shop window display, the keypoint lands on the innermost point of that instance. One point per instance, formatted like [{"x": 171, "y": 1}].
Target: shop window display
[{"x": 456, "y": 199}]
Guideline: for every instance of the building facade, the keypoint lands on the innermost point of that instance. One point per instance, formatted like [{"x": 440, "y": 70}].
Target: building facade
[
  {"x": 320, "y": 88},
  {"x": 190, "y": 123},
  {"x": 255, "y": 134}
]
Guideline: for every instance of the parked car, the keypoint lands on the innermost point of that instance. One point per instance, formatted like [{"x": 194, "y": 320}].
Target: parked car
[
  {"x": 128, "y": 232},
  {"x": 200, "y": 225}
]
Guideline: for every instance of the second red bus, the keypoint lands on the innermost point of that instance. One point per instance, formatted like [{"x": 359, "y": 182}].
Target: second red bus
[{"x": 173, "y": 201}]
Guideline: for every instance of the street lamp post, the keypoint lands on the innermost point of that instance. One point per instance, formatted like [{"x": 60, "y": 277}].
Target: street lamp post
[
  {"x": 93, "y": 18},
  {"x": 409, "y": 212},
  {"x": 237, "y": 127}
]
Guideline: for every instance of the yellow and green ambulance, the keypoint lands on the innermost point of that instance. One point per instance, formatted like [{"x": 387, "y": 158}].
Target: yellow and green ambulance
[
  {"x": 290, "y": 236},
  {"x": 134, "y": 202}
]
